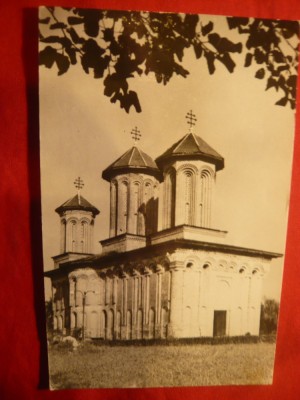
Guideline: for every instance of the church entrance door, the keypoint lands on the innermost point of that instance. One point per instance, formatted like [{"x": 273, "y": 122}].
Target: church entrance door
[{"x": 219, "y": 323}]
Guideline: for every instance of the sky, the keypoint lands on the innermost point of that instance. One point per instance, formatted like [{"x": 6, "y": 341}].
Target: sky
[{"x": 81, "y": 133}]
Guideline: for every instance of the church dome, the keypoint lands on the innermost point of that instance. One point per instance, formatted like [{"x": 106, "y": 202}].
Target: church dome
[
  {"x": 191, "y": 147},
  {"x": 134, "y": 160},
  {"x": 77, "y": 203}
]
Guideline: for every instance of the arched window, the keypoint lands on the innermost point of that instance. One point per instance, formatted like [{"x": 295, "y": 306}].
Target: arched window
[
  {"x": 205, "y": 203},
  {"x": 84, "y": 244},
  {"x": 148, "y": 207},
  {"x": 72, "y": 234},
  {"x": 189, "y": 191},
  {"x": 113, "y": 208},
  {"x": 135, "y": 207},
  {"x": 63, "y": 236},
  {"x": 123, "y": 208},
  {"x": 169, "y": 200}
]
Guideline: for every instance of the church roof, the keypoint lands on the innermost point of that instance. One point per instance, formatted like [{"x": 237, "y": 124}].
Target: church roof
[
  {"x": 192, "y": 146},
  {"x": 134, "y": 160},
  {"x": 77, "y": 203}
]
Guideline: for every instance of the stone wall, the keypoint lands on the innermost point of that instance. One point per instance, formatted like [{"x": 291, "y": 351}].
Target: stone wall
[{"x": 189, "y": 293}]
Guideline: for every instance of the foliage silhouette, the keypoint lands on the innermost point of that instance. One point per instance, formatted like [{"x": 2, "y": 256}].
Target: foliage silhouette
[
  {"x": 269, "y": 316},
  {"x": 118, "y": 45},
  {"x": 49, "y": 314}
]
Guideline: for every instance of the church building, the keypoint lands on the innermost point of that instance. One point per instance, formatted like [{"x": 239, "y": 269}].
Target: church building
[{"x": 164, "y": 271}]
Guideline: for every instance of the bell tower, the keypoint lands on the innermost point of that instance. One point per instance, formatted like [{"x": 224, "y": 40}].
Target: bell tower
[{"x": 77, "y": 218}]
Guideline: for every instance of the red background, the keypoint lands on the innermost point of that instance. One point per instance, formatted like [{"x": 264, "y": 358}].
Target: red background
[{"x": 23, "y": 362}]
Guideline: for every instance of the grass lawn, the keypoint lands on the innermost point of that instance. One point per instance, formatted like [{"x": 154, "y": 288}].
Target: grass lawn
[{"x": 153, "y": 366}]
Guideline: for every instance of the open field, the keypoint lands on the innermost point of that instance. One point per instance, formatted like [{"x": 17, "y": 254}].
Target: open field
[{"x": 186, "y": 365}]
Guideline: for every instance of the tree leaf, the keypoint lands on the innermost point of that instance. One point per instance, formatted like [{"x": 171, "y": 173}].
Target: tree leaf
[
  {"x": 44, "y": 20},
  {"x": 75, "y": 37},
  {"x": 131, "y": 99},
  {"x": 113, "y": 84},
  {"x": 227, "y": 61},
  {"x": 190, "y": 23},
  {"x": 278, "y": 56},
  {"x": 198, "y": 49},
  {"x": 292, "y": 81},
  {"x": 235, "y": 22},
  {"x": 51, "y": 39},
  {"x": 92, "y": 53},
  {"x": 91, "y": 21},
  {"x": 207, "y": 28},
  {"x": 58, "y": 25},
  {"x": 63, "y": 63},
  {"x": 282, "y": 68},
  {"x": 282, "y": 102},
  {"x": 272, "y": 83},
  {"x": 292, "y": 103},
  {"x": 108, "y": 34},
  {"x": 260, "y": 74},
  {"x": 72, "y": 54},
  {"x": 179, "y": 70},
  {"x": 260, "y": 56},
  {"x": 248, "y": 60},
  {"x": 178, "y": 46},
  {"x": 47, "y": 56},
  {"x": 75, "y": 20},
  {"x": 210, "y": 58},
  {"x": 289, "y": 28},
  {"x": 101, "y": 66},
  {"x": 223, "y": 44}
]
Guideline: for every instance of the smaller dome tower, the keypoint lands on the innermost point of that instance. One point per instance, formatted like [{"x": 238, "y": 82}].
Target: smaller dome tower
[
  {"x": 77, "y": 217},
  {"x": 134, "y": 179}
]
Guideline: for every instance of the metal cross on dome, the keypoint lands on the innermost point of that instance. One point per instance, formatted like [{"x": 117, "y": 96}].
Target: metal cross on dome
[
  {"x": 191, "y": 119},
  {"x": 79, "y": 185},
  {"x": 135, "y": 134}
]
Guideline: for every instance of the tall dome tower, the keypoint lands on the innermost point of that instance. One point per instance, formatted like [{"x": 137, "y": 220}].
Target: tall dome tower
[
  {"x": 77, "y": 217},
  {"x": 189, "y": 168},
  {"x": 134, "y": 178}
]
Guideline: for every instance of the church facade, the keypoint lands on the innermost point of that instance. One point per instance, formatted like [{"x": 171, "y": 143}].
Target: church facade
[{"x": 163, "y": 272}]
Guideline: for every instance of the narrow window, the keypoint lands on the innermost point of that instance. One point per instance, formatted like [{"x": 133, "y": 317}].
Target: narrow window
[
  {"x": 205, "y": 203},
  {"x": 188, "y": 200},
  {"x": 113, "y": 209},
  {"x": 135, "y": 206},
  {"x": 123, "y": 208},
  {"x": 169, "y": 210}
]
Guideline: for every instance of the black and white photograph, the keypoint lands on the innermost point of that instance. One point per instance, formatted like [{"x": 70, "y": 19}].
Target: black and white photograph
[{"x": 166, "y": 145}]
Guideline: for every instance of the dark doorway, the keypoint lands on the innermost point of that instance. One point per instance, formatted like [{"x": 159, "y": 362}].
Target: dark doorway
[{"x": 219, "y": 323}]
